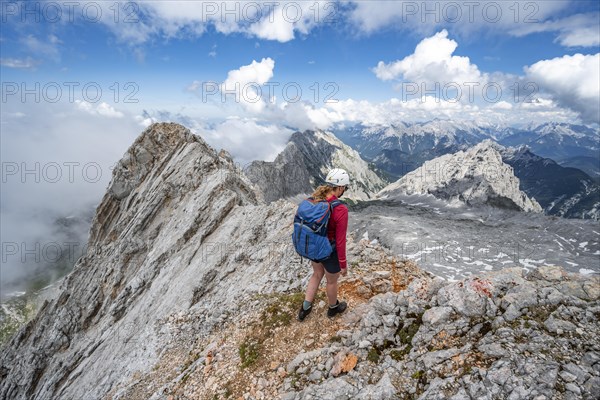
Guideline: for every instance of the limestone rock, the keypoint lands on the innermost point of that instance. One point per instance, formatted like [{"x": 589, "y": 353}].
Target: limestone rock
[{"x": 477, "y": 176}]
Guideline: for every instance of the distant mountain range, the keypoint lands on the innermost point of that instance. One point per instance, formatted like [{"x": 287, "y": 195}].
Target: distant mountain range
[
  {"x": 570, "y": 145},
  {"x": 557, "y": 164},
  {"x": 401, "y": 148},
  {"x": 563, "y": 191}
]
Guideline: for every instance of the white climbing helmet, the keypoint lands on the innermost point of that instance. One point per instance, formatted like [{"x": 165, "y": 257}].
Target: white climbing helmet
[{"x": 338, "y": 177}]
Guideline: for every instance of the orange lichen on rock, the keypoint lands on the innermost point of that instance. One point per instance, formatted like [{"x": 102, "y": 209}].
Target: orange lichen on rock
[{"x": 349, "y": 362}]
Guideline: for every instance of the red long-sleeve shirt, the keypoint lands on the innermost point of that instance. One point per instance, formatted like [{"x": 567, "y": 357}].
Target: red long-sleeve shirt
[{"x": 336, "y": 229}]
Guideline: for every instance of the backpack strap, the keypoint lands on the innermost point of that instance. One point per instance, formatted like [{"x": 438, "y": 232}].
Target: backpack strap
[
  {"x": 333, "y": 205},
  {"x": 336, "y": 203},
  {"x": 329, "y": 211}
]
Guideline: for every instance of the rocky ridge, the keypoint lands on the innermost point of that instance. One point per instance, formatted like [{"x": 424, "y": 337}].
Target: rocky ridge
[
  {"x": 250, "y": 355},
  {"x": 407, "y": 335},
  {"x": 178, "y": 224},
  {"x": 499, "y": 335},
  {"x": 477, "y": 176},
  {"x": 304, "y": 164}
]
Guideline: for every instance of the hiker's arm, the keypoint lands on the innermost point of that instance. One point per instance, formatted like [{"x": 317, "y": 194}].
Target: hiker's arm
[{"x": 341, "y": 220}]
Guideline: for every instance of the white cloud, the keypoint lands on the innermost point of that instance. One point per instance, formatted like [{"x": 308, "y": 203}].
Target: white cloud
[
  {"x": 573, "y": 81},
  {"x": 261, "y": 19},
  {"x": 246, "y": 86},
  {"x": 433, "y": 67},
  {"x": 20, "y": 63},
  {"x": 502, "y": 105},
  {"x": 541, "y": 110},
  {"x": 396, "y": 110},
  {"x": 246, "y": 139},
  {"x": 371, "y": 16},
  {"x": 432, "y": 61},
  {"x": 69, "y": 153},
  {"x": 245, "y": 81},
  {"x": 275, "y": 27},
  {"x": 194, "y": 86},
  {"x": 45, "y": 48},
  {"x": 587, "y": 36},
  {"x": 103, "y": 109},
  {"x": 516, "y": 18},
  {"x": 288, "y": 17},
  {"x": 579, "y": 30},
  {"x": 213, "y": 52},
  {"x": 256, "y": 72},
  {"x": 107, "y": 110}
]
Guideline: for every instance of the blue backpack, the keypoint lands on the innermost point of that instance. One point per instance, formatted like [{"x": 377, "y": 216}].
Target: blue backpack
[{"x": 310, "y": 228}]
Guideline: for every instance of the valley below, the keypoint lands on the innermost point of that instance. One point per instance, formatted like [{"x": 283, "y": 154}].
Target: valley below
[{"x": 455, "y": 242}]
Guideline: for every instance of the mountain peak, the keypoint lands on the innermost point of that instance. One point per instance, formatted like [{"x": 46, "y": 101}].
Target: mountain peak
[
  {"x": 477, "y": 176},
  {"x": 304, "y": 163},
  {"x": 166, "y": 233},
  {"x": 166, "y": 163},
  {"x": 150, "y": 147}
]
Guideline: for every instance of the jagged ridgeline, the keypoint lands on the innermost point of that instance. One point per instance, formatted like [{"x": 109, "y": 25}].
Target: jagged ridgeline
[
  {"x": 476, "y": 177},
  {"x": 304, "y": 163},
  {"x": 180, "y": 228}
]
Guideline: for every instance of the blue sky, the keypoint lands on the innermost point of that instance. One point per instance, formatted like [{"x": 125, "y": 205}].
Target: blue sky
[
  {"x": 163, "y": 63},
  {"x": 378, "y": 62}
]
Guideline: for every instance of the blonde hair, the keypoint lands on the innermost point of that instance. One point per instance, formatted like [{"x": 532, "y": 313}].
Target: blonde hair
[{"x": 322, "y": 192}]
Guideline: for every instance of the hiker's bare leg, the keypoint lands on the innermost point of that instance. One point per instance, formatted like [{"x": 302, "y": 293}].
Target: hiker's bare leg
[
  {"x": 315, "y": 281},
  {"x": 332, "y": 287}
]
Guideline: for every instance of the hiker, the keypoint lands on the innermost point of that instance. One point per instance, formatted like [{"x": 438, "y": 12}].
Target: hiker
[{"x": 331, "y": 267}]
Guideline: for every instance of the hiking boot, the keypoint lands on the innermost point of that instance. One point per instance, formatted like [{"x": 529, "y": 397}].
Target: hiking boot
[
  {"x": 303, "y": 313},
  {"x": 338, "y": 309}
]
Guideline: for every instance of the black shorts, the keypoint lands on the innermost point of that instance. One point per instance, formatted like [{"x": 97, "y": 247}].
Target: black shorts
[{"x": 331, "y": 263}]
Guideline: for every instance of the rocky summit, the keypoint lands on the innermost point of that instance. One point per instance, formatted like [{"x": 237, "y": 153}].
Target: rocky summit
[
  {"x": 304, "y": 164},
  {"x": 477, "y": 176},
  {"x": 189, "y": 290}
]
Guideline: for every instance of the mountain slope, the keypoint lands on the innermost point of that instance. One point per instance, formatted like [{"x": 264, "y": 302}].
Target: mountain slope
[
  {"x": 304, "y": 164},
  {"x": 566, "y": 144},
  {"x": 563, "y": 191},
  {"x": 590, "y": 165},
  {"x": 163, "y": 241},
  {"x": 476, "y": 177}
]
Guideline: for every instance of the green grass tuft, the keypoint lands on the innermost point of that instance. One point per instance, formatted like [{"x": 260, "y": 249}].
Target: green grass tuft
[
  {"x": 249, "y": 352},
  {"x": 373, "y": 355}
]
